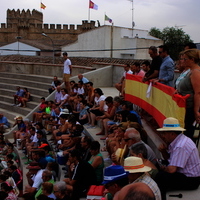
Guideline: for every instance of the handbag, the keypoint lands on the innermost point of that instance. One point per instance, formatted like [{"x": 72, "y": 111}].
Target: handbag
[{"x": 96, "y": 192}]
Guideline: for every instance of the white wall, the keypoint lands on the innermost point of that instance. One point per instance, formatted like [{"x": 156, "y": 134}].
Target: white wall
[
  {"x": 123, "y": 38},
  {"x": 12, "y": 49}
]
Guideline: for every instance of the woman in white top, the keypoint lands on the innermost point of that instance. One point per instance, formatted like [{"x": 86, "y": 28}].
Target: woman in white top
[
  {"x": 64, "y": 97},
  {"x": 98, "y": 108}
]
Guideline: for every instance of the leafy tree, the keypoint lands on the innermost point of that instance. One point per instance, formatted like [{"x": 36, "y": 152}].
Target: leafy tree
[{"x": 174, "y": 38}]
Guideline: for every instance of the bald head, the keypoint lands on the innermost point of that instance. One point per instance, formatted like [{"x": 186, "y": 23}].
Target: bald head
[
  {"x": 80, "y": 76},
  {"x": 136, "y": 191}
]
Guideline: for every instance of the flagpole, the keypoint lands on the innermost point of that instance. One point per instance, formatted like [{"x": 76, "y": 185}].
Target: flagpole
[
  {"x": 104, "y": 18},
  {"x": 40, "y": 6},
  {"x": 89, "y": 12}
]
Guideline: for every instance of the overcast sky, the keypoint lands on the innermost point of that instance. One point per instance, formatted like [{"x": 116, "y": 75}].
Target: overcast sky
[{"x": 147, "y": 13}]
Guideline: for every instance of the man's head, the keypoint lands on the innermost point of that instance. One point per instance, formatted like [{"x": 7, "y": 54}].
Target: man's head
[
  {"x": 55, "y": 78},
  {"x": 127, "y": 67},
  {"x": 137, "y": 190},
  {"x": 190, "y": 45},
  {"x": 80, "y": 76},
  {"x": 58, "y": 88},
  {"x": 153, "y": 52},
  {"x": 85, "y": 142},
  {"x": 46, "y": 175},
  {"x": 163, "y": 51},
  {"x": 65, "y": 55},
  {"x": 135, "y": 167},
  {"x": 146, "y": 66},
  {"x": 18, "y": 88},
  {"x": 59, "y": 189},
  {"x": 171, "y": 129},
  {"x": 135, "y": 67},
  {"x": 1, "y": 115},
  {"x": 115, "y": 178},
  {"x": 75, "y": 156},
  {"x": 131, "y": 136}
]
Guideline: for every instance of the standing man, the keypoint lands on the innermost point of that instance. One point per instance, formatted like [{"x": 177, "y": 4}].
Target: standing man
[
  {"x": 67, "y": 71},
  {"x": 135, "y": 68},
  {"x": 183, "y": 170},
  {"x": 166, "y": 74},
  {"x": 155, "y": 64}
]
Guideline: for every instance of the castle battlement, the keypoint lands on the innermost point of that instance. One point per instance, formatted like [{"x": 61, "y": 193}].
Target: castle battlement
[{"x": 29, "y": 25}]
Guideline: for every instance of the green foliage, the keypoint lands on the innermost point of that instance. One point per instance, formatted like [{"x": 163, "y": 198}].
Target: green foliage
[{"x": 174, "y": 38}]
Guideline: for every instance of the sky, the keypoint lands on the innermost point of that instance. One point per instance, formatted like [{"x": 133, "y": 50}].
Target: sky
[{"x": 147, "y": 13}]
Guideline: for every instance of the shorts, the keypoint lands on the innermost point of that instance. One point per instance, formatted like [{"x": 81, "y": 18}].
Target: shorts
[{"x": 66, "y": 77}]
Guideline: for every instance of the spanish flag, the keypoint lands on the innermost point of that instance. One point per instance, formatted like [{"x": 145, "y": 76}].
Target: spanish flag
[
  {"x": 161, "y": 103},
  {"x": 92, "y": 5},
  {"x": 42, "y": 6}
]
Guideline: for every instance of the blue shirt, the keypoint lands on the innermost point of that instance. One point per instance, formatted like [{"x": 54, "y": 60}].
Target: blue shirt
[
  {"x": 167, "y": 71},
  {"x": 85, "y": 80},
  {"x": 20, "y": 93},
  {"x": 4, "y": 121}
]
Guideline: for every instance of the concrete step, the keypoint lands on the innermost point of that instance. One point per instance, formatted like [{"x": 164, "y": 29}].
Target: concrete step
[
  {"x": 21, "y": 111},
  {"x": 32, "y": 90},
  {"x": 25, "y": 83},
  {"x": 9, "y": 99},
  {"x": 6, "y": 92},
  {"x": 30, "y": 77}
]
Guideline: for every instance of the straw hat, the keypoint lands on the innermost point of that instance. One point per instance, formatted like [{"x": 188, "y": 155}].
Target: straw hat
[
  {"x": 134, "y": 164},
  {"x": 120, "y": 154},
  {"x": 113, "y": 173},
  {"x": 64, "y": 112},
  {"x": 171, "y": 124},
  {"x": 18, "y": 118}
]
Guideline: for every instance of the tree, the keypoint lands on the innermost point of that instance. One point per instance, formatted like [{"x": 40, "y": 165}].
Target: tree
[{"x": 174, "y": 38}]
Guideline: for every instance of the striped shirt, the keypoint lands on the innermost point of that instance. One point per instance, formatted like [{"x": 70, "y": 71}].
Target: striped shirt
[
  {"x": 151, "y": 183},
  {"x": 185, "y": 156}
]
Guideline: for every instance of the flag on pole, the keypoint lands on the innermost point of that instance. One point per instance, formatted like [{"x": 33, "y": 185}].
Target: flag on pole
[
  {"x": 42, "y": 6},
  {"x": 108, "y": 19},
  {"x": 92, "y": 5}
]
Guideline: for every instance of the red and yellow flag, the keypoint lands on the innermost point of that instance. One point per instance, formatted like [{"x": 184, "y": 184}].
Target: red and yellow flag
[
  {"x": 162, "y": 102},
  {"x": 42, "y": 6}
]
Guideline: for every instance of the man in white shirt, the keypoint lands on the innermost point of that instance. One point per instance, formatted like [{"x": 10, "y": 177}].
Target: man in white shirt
[{"x": 67, "y": 70}]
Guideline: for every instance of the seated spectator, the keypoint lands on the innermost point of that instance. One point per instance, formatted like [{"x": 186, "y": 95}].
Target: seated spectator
[
  {"x": 183, "y": 169},
  {"x": 47, "y": 184},
  {"x": 25, "y": 98},
  {"x": 98, "y": 108},
  {"x": 47, "y": 190},
  {"x": 90, "y": 94},
  {"x": 85, "y": 148},
  {"x": 139, "y": 150},
  {"x": 137, "y": 190},
  {"x": 135, "y": 68},
  {"x": 108, "y": 115},
  {"x": 80, "y": 88},
  {"x": 17, "y": 176},
  {"x": 21, "y": 132},
  {"x": 64, "y": 98},
  {"x": 83, "y": 175},
  {"x": 42, "y": 107},
  {"x": 58, "y": 95},
  {"x": 59, "y": 190},
  {"x": 4, "y": 124},
  {"x": 54, "y": 84},
  {"x": 9, "y": 190},
  {"x": 120, "y": 86},
  {"x": 18, "y": 94},
  {"x": 137, "y": 169},
  {"x": 83, "y": 115},
  {"x": 34, "y": 177},
  {"x": 97, "y": 161},
  {"x": 82, "y": 78},
  {"x": 115, "y": 178}
]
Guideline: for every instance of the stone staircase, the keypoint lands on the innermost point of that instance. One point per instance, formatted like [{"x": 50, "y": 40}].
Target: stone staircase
[{"x": 36, "y": 84}]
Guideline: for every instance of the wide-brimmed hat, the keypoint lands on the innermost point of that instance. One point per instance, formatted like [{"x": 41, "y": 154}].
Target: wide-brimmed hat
[
  {"x": 134, "y": 164},
  {"x": 64, "y": 112},
  {"x": 119, "y": 153},
  {"x": 171, "y": 124},
  {"x": 33, "y": 165},
  {"x": 113, "y": 173},
  {"x": 18, "y": 118}
]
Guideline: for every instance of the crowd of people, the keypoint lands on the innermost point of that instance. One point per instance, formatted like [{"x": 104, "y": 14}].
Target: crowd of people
[{"x": 135, "y": 169}]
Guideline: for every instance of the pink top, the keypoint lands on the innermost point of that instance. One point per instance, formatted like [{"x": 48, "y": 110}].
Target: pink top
[{"x": 140, "y": 73}]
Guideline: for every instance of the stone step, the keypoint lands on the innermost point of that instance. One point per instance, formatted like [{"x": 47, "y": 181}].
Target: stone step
[
  {"x": 21, "y": 111},
  {"x": 26, "y": 83},
  {"x": 9, "y": 99},
  {"x": 32, "y": 90},
  {"x": 6, "y": 92},
  {"x": 30, "y": 77}
]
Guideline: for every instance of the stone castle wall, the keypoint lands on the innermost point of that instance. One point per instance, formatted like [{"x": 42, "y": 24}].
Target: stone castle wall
[{"x": 29, "y": 25}]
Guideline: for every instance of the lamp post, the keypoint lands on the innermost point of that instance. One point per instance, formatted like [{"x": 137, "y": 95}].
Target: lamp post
[{"x": 52, "y": 45}]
